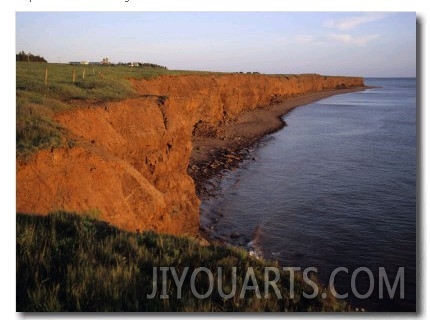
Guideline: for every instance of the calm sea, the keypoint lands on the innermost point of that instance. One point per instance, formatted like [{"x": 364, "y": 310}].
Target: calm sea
[{"x": 335, "y": 188}]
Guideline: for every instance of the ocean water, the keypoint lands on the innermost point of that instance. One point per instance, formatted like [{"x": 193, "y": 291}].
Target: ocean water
[{"x": 334, "y": 188}]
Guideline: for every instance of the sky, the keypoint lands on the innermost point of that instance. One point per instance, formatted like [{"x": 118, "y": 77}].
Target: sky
[{"x": 369, "y": 44}]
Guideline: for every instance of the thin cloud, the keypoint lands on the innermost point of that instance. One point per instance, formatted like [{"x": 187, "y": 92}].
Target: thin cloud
[
  {"x": 304, "y": 38},
  {"x": 353, "y": 22},
  {"x": 360, "y": 41},
  {"x": 347, "y": 38}
]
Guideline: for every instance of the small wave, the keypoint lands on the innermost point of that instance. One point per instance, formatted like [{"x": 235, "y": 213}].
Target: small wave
[{"x": 254, "y": 250}]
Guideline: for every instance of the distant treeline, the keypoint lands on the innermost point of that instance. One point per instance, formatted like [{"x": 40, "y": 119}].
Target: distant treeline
[
  {"x": 22, "y": 56},
  {"x": 141, "y": 64}
]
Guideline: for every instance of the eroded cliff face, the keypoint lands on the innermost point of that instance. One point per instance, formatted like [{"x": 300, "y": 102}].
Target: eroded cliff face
[
  {"x": 131, "y": 157},
  {"x": 216, "y": 96}
]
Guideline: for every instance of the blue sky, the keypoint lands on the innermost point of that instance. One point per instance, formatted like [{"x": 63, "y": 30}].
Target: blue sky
[{"x": 333, "y": 43}]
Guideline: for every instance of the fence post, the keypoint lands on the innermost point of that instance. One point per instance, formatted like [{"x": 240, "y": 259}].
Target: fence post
[
  {"x": 73, "y": 75},
  {"x": 46, "y": 76},
  {"x": 83, "y": 74}
]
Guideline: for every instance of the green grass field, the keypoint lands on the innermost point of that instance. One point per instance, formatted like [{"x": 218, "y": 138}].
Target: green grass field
[{"x": 67, "y": 262}]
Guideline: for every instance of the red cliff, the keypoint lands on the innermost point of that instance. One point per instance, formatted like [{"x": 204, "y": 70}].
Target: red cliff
[{"x": 131, "y": 157}]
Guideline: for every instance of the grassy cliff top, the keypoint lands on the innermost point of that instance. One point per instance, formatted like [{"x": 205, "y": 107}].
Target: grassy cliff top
[{"x": 43, "y": 89}]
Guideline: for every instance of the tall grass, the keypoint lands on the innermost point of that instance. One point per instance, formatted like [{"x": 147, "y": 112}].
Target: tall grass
[{"x": 67, "y": 262}]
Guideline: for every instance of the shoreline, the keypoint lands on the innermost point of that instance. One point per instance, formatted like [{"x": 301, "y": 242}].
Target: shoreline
[
  {"x": 142, "y": 145},
  {"x": 225, "y": 147}
]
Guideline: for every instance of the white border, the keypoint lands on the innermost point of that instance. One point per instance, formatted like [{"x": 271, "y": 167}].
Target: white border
[{"x": 7, "y": 117}]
